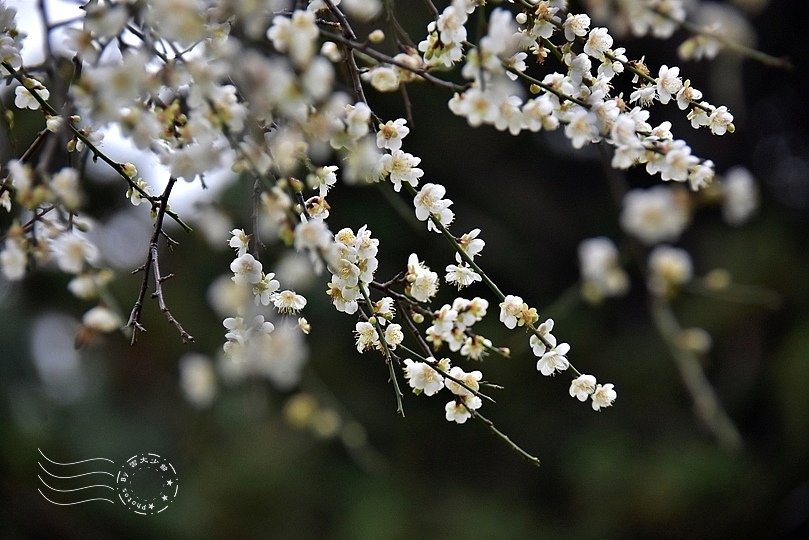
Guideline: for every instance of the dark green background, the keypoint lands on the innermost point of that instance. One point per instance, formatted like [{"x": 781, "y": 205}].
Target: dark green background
[{"x": 644, "y": 468}]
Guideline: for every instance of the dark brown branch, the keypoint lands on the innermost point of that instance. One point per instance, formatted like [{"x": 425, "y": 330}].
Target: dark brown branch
[
  {"x": 350, "y": 61},
  {"x": 152, "y": 266},
  {"x": 382, "y": 57}
]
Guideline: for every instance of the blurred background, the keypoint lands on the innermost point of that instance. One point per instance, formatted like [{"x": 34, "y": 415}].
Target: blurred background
[{"x": 330, "y": 458}]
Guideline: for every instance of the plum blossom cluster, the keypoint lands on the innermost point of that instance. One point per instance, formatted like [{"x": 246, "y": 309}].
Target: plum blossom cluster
[
  {"x": 254, "y": 87},
  {"x": 47, "y": 239},
  {"x": 254, "y": 346},
  {"x": 656, "y": 217},
  {"x": 714, "y": 26},
  {"x": 552, "y": 355},
  {"x": 11, "y": 39},
  {"x": 452, "y": 324},
  {"x": 601, "y": 271},
  {"x": 352, "y": 265},
  {"x": 579, "y": 98},
  {"x": 426, "y": 377}
]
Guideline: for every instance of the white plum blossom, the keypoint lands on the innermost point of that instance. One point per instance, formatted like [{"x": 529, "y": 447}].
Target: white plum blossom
[
  {"x": 65, "y": 185},
  {"x": 739, "y": 196},
  {"x": 576, "y": 26},
  {"x": 461, "y": 275},
  {"x": 450, "y": 25},
  {"x": 136, "y": 197},
  {"x": 459, "y": 410},
  {"x": 669, "y": 268},
  {"x": 384, "y": 307},
  {"x": 288, "y": 302},
  {"x": 276, "y": 91},
  {"x": 296, "y": 35},
  {"x": 582, "y": 128},
  {"x": 367, "y": 336},
  {"x": 357, "y": 120},
  {"x": 429, "y": 202},
  {"x": 401, "y": 167},
  {"x": 344, "y": 299},
  {"x": 323, "y": 179},
  {"x": 101, "y": 319},
  {"x": 554, "y": 360},
  {"x": 5, "y": 200},
  {"x": 654, "y": 215},
  {"x": 476, "y": 347},
  {"x": 422, "y": 282},
  {"x": 582, "y": 387},
  {"x": 73, "y": 252},
  {"x": 382, "y": 78},
  {"x": 393, "y": 335},
  {"x": 511, "y": 308},
  {"x": 644, "y": 95},
  {"x": 471, "y": 244},
  {"x": 687, "y": 95},
  {"x": 197, "y": 379},
  {"x": 391, "y": 133},
  {"x": 264, "y": 290},
  {"x": 701, "y": 175},
  {"x": 599, "y": 41},
  {"x": 246, "y": 269},
  {"x": 240, "y": 241},
  {"x": 543, "y": 335},
  {"x": 603, "y": 396},
  {"x": 422, "y": 377},
  {"x": 602, "y": 275},
  {"x": 313, "y": 235},
  {"x": 668, "y": 83},
  {"x": 13, "y": 260},
  {"x": 471, "y": 380},
  {"x": 24, "y": 99},
  {"x": 721, "y": 121}
]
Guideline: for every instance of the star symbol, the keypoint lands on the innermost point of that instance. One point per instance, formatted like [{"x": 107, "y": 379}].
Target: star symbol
[
  {"x": 169, "y": 483},
  {"x": 165, "y": 497},
  {"x": 151, "y": 506}
]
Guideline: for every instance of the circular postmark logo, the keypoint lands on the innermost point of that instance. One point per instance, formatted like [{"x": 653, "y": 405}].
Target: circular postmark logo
[{"x": 147, "y": 483}]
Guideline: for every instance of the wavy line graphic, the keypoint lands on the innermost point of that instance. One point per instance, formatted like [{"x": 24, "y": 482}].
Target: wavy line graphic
[
  {"x": 41, "y": 466},
  {"x": 77, "y": 486},
  {"x": 74, "y": 489},
  {"x": 72, "y": 503},
  {"x": 75, "y": 462}
]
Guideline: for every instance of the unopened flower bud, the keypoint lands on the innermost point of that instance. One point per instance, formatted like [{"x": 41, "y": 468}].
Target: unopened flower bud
[
  {"x": 129, "y": 169},
  {"x": 377, "y": 36},
  {"x": 54, "y": 123}
]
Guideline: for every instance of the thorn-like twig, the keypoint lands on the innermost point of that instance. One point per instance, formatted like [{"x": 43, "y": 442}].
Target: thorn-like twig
[{"x": 152, "y": 266}]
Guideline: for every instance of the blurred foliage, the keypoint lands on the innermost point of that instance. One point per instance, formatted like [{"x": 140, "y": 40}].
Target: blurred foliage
[{"x": 644, "y": 468}]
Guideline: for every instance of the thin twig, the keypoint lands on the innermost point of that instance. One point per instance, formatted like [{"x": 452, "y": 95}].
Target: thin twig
[
  {"x": 707, "y": 406},
  {"x": 729, "y": 44},
  {"x": 486, "y": 279},
  {"x": 386, "y": 351},
  {"x": 434, "y": 365},
  {"x": 382, "y": 57},
  {"x": 350, "y": 61},
  {"x": 153, "y": 264},
  {"x": 511, "y": 444}
]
